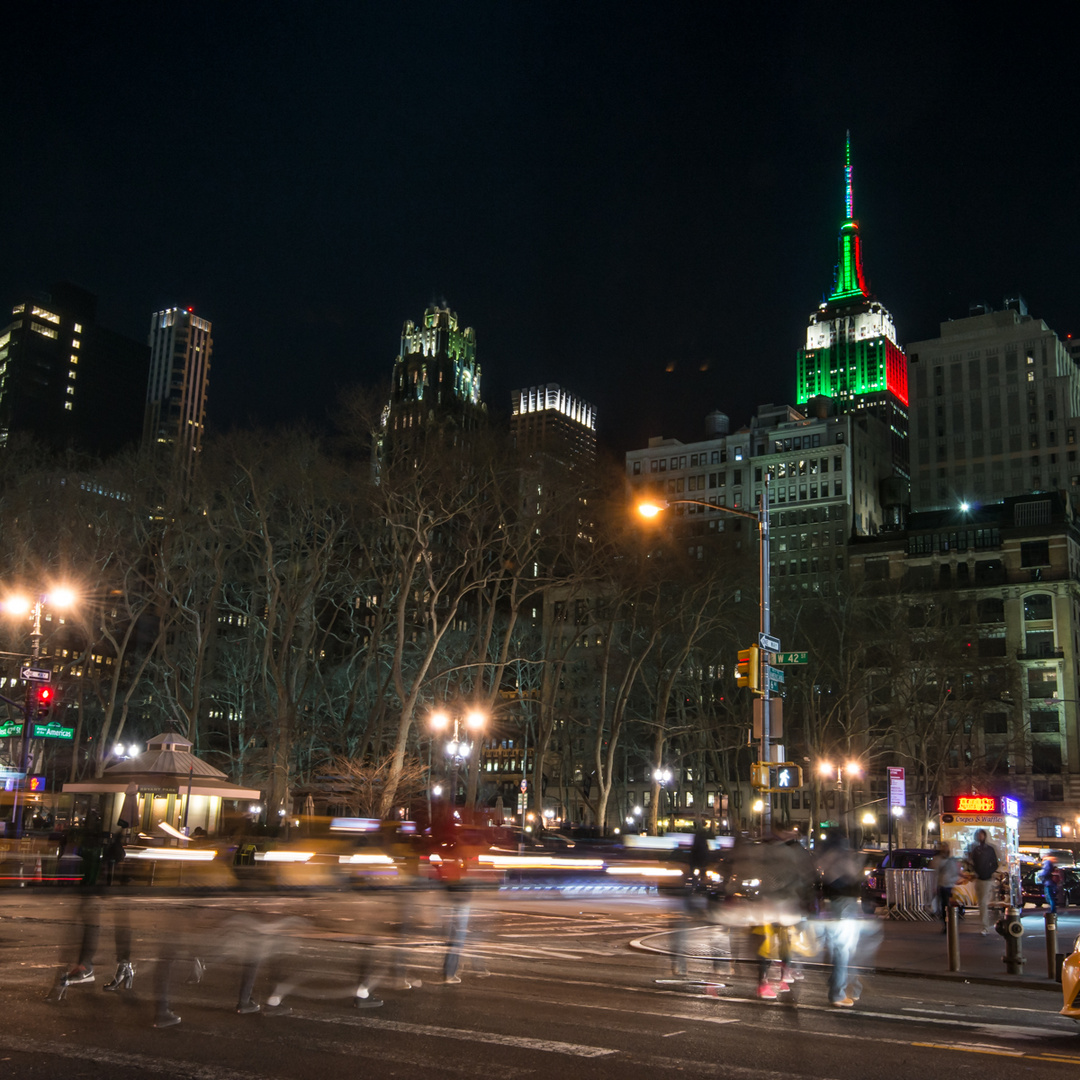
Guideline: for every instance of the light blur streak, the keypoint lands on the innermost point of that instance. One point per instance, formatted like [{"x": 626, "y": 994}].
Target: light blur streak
[{"x": 166, "y": 854}]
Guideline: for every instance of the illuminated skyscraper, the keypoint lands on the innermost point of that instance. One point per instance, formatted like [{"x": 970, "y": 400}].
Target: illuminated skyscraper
[
  {"x": 180, "y": 348},
  {"x": 436, "y": 379},
  {"x": 851, "y": 352},
  {"x": 547, "y": 419}
]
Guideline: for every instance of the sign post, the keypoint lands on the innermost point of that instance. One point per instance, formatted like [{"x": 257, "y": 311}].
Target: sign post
[{"x": 897, "y": 795}]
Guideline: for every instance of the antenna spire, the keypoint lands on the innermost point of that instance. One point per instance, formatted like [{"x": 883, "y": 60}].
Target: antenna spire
[{"x": 849, "y": 199}]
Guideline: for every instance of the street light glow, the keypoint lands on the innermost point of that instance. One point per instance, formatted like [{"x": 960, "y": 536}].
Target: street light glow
[
  {"x": 438, "y": 721},
  {"x": 16, "y": 605},
  {"x": 61, "y": 597},
  {"x": 825, "y": 768},
  {"x": 475, "y": 720},
  {"x": 651, "y": 509}
]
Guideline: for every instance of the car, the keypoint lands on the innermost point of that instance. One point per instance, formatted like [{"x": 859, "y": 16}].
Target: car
[
  {"x": 1031, "y": 887},
  {"x": 873, "y": 886}
]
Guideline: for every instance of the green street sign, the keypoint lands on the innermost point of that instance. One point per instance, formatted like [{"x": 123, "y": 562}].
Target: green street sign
[
  {"x": 10, "y": 729},
  {"x": 52, "y": 731},
  {"x": 791, "y": 657},
  {"x": 774, "y": 674}
]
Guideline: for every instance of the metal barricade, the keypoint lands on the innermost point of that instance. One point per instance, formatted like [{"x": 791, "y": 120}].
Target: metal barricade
[{"x": 909, "y": 894}]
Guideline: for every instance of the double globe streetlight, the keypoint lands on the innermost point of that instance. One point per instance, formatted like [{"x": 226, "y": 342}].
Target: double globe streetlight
[{"x": 458, "y": 749}]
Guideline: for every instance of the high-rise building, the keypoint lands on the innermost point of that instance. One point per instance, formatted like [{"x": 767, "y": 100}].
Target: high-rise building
[
  {"x": 175, "y": 418},
  {"x": 65, "y": 381},
  {"x": 995, "y": 410},
  {"x": 436, "y": 380},
  {"x": 826, "y": 472},
  {"x": 851, "y": 353},
  {"x": 550, "y": 420}
]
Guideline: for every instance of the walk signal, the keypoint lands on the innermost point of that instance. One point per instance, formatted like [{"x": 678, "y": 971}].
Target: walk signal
[
  {"x": 748, "y": 669},
  {"x": 776, "y": 776},
  {"x": 43, "y": 702}
]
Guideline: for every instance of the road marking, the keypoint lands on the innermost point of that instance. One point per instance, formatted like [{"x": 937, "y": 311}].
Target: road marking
[
  {"x": 667, "y": 1035},
  {"x": 972, "y": 1049},
  {"x": 492, "y": 1038},
  {"x": 162, "y": 1066}
]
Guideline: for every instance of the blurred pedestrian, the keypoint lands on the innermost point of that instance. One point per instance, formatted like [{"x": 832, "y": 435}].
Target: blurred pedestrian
[
  {"x": 984, "y": 862},
  {"x": 949, "y": 873},
  {"x": 1051, "y": 878},
  {"x": 840, "y": 870}
]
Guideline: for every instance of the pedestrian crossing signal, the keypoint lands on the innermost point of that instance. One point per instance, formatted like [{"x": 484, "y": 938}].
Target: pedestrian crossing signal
[{"x": 776, "y": 776}]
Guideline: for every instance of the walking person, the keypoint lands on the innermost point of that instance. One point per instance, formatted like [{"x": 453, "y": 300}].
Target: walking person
[
  {"x": 840, "y": 870},
  {"x": 1051, "y": 877},
  {"x": 948, "y": 877},
  {"x": 984, "y": 862}
]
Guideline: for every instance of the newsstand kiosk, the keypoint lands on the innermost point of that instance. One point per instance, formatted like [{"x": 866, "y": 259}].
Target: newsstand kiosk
[{"x": 962, "y": 816}]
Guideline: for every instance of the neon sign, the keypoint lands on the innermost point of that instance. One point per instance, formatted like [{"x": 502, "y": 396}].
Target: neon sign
[{"x": 976, "y": 804}]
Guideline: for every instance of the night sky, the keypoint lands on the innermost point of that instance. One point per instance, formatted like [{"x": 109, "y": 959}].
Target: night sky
[{"x": 639, "y": 201}]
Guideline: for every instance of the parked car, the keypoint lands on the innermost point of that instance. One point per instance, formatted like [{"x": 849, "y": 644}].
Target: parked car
[
  {"x": 1031, "y": 887},
  {"x": 873, "y": 888}
]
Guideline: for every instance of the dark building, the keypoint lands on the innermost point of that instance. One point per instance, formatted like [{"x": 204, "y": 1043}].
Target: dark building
[{"x": 65, "y": 381}]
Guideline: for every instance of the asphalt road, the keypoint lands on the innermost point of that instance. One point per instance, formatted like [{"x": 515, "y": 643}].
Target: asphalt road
[{"x": 580, "y": 987}]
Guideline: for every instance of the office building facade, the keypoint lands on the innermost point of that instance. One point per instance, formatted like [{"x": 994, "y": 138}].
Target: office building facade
[
  {"x": 65, "y": 381},
  {"x": 550, "y": 420},
  {"x": 995, "y": 410}
]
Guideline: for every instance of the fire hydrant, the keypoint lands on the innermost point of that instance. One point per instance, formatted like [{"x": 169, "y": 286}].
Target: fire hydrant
[{"x": 1011, "y": 929}]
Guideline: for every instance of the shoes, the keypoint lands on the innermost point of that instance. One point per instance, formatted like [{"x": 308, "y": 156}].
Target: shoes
[
  {"x": 246, "y": 1007},
  {"x": 198, "y": 970},
  {"x": 985, "y": 930},
  {"x": 766, "y": 991},
  {"x": 366, "y": 1002},
  {"x": 276, "y": 1010},
  {"x": 166, "y": 1019},
  {"x": 410, "y": 984},
  {"x": 125, "y": 973},
  {"x": 78, "y": 975},
  {"x": 842, "y": 1003},
  {"x": 452, "y": 980}
]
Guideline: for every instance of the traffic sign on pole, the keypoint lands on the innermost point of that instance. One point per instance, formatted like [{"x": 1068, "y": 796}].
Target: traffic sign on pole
[
  {"x": 768, "y": 642},
  {"x": 10, "y": 729},
  {"x": 791, "y": 658},
  {"x": 31, "y": 674},
  {"x": 52, "y": 730},
  {"x": 774, "y": 674}
]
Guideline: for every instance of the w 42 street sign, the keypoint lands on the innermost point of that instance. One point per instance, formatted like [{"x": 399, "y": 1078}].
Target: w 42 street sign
[{"x": 791, "y": 658}]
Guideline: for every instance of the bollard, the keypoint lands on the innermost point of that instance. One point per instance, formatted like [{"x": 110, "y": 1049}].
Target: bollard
[
  {"x": 952, "y": 929},
  {"x": 1051, "y": 944},
  {"x": 1012, "y": 930}
]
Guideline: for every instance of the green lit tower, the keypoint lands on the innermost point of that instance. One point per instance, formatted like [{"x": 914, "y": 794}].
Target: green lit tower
[{"x": 851, "y": 353}]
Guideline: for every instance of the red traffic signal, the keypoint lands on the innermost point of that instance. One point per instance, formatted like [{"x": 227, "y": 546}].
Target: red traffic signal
[{"x": 43, "y": 700}]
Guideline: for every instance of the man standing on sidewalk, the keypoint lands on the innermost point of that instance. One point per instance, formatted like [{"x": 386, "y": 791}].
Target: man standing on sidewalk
[{"x": 984, "y": 862}]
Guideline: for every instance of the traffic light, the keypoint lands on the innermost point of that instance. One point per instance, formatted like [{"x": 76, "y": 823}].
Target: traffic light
[
  {"x": 43, "y": 703},
  {"x": 776, "y": 776},
  {"x": 748, "y": 669}
]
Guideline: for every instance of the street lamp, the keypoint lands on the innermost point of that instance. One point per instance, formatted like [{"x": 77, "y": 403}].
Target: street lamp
[
  {"x": 663, "y": 777},
  {"x": 17, "y": 604},
  {"x": 650, "y": 508},
  {"x": 458, "y": 749}
]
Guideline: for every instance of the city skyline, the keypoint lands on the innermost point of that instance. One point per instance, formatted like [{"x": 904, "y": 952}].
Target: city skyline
[{"x": 606, "y": 218}]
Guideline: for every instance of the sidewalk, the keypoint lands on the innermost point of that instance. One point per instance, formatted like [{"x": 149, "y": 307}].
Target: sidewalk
[{"x": 920, "y": 949}]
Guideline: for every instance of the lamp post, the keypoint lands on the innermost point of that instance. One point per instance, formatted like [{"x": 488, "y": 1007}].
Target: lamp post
[
  {"x": 663, "y": 777},
  {"x": 827, "y": 771},
  {"x": 651, "y": 509},
  {"x": 458, "y": 749},
  {"x": 22, "y": 605}
]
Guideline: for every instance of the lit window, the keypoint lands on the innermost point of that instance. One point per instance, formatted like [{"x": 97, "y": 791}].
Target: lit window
[
  {"x": 71, "y": 389},
  {"x": 48, "y": 316},
  {"x": 74, "y": 358},
  {"x": 67, "y": 405},
  {"x": 72, "y": 374},
  {"x": 44, "y": 331},
  {"x": 78, "y": 328},
  {"x": 18, "y": 309},
  {"x": 75, "y": 343},
  {"x": 1031, "y": 376}
]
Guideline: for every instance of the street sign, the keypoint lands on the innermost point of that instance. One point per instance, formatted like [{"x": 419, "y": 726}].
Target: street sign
[
  {"x": 774, "y": 674},
  {"x": 7, "y": 773},
  {"x": 897, "y": 793},
  {"x": 33, "y": 674},
  {"x": 791, "y": 658},
  {"x": 52, "y": 730},
  {"x": 768, "y": 642},
  {"x": 524, "y": 785},
  {"x": 11, "y": 729}
]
